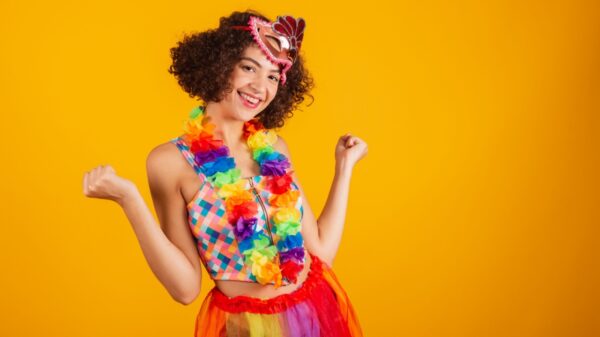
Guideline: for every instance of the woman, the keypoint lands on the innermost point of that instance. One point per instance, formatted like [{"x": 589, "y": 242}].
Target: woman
[{"x": 226, "y": 195}]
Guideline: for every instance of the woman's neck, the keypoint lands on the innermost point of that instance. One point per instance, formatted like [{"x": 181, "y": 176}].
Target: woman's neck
[{"x": 229, "y": 130}]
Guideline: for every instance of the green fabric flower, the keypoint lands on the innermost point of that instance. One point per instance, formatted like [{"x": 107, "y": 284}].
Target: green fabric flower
[
  {"x": 196, "y": 111},
  {"x": 263, "y": 151},
  {"x": 223, "y": 178},
  {"x": 263, "y": 247},
  {"x": 284, "y": 229}
]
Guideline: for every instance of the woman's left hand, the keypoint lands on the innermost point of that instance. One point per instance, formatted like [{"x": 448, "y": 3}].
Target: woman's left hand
[{"x": 349, "y": 150}]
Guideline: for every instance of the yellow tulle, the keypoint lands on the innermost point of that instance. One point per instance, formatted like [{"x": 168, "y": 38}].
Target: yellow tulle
[{"x": 263, "y": 325}]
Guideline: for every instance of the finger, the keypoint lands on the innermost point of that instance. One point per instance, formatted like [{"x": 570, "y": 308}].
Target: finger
[
  {"x": 349, "y": 137},
  {"x": 110, "y": 169},
  {"x": 348, "y": 142},
  {"x": 102, "y": 170},
  {"x": 94, "y": 174},
  {"x": 363, "y": 145},
  {"x": 358, "y": 140}
]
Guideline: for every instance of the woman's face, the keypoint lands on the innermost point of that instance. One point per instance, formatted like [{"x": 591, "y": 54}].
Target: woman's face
[{"x": 254, "y": 81}]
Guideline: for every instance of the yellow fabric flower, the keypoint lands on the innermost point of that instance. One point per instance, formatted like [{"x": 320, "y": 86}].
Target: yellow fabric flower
[
  {"x": 258, "y": 260},
  {"x": 267, "y": 272},
  {"x": 228, "y": 190},
  {"x": 287, "y": 215},
  {"x": 192, "y": 128},
  {"x": 262, "y": 139}
]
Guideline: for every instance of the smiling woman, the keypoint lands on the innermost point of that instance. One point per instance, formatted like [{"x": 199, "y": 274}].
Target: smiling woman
[
  {"x": 203, "y": 64},
  {"x": 252, "y": 68},
  {"x": 227, "y": 197},
  {"x": 250, "y": 100}
]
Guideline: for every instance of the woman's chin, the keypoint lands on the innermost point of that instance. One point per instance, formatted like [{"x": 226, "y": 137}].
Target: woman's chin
[{"x": 247, "y": 114}]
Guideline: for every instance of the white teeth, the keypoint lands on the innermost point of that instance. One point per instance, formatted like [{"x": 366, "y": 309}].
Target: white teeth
[{"x": 249, "y": 99}]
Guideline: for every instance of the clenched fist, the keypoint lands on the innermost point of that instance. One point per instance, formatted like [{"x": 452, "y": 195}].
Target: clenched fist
[
  {"x": 349, "y": 150},
  {"x": 102, "y": 182}
]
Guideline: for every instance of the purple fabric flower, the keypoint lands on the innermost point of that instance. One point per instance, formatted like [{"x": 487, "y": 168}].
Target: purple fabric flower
[
  {"x": 244, "y": 228},
  {"x": 274, "y": 167},
  {"x": 204, "y": 157},
  {"x": 296, "y": 254}
]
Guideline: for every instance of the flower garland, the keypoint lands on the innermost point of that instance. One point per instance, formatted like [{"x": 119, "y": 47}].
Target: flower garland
[{"x": 270, "y": 260}]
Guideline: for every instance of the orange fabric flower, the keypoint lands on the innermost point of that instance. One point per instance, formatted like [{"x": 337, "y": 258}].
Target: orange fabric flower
[
  {"x": 240, "y": 205},
  {"x": 285, "y": 200}
]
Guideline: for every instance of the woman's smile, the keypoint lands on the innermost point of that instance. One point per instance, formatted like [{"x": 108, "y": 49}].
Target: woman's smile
[{"x": 249, "y": 101}]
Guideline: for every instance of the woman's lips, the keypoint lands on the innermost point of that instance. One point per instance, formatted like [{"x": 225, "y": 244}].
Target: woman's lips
[{"x": 248, "y": 103}]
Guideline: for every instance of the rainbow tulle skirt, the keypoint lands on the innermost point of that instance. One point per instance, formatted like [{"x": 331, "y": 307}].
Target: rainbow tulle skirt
[{"x": 319, "y": 307}]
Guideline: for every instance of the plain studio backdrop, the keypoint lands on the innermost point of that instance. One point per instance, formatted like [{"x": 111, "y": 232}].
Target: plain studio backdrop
[{"x": 475, "y": 212}]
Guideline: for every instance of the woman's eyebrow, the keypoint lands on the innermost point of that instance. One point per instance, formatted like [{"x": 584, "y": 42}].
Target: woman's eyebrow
[{"x": 258, "y": 64}]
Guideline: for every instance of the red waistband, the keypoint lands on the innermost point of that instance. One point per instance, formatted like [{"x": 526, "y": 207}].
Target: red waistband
[{"x": 276, "y": 304}]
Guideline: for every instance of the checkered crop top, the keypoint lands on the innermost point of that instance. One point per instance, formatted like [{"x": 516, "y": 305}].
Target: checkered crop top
[{"x": 212, "y": 232}]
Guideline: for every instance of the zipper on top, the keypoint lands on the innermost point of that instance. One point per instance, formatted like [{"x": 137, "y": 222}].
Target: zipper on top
[{"x": 260, "y": 201}]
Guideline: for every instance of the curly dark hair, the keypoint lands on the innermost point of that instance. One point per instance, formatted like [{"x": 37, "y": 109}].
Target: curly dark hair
[{"x": 203, "y": 63}]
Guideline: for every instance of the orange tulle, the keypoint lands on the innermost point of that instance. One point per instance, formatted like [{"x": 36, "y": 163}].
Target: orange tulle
[{"x": 319, "y": 307}]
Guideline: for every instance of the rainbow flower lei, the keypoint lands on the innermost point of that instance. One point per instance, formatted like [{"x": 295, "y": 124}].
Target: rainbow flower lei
[{"x": 270, "y": 257}]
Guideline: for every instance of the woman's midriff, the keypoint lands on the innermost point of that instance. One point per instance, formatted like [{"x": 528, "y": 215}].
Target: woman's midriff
[{"x": 257, "y": 290}]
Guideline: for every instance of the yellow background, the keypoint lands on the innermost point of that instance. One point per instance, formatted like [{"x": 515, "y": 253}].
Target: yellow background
[{"x": 475, "y": 212}]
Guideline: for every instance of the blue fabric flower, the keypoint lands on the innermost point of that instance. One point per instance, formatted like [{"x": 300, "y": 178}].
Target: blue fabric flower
[
  {"x": 290, "y": 241},
  {"x": 221, "y": 164}
]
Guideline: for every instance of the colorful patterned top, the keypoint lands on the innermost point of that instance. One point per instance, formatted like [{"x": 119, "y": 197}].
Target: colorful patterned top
[{"x": 213, "y": 234}]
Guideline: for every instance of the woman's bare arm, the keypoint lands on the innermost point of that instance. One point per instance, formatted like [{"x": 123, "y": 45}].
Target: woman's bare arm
[
  {"x": 171, "y": 253},
  {"x": 322, "y": 236}
]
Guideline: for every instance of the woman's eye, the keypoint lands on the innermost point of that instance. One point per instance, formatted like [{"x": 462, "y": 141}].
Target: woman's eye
[
  {"x": 275, "y": 78},
  {"x": 247, "y": 67}
]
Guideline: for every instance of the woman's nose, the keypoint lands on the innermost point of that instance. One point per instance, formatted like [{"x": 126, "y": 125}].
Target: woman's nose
[{"x": 258, "y": 85}]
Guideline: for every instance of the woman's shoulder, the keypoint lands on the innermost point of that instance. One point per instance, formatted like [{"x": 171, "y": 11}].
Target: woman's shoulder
[
  {"x": 165, "y": 151},
  {"x": 281, "y": 146},
  {"x": 165, "y": 159}
]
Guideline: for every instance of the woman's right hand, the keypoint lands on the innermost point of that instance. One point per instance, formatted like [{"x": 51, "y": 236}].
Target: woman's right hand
[{"x": 102, "y": 182}]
